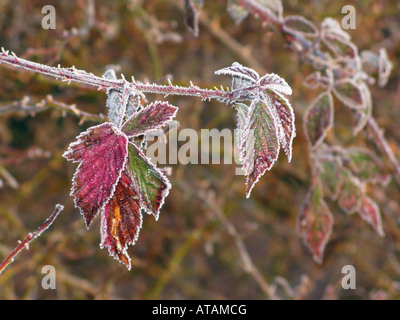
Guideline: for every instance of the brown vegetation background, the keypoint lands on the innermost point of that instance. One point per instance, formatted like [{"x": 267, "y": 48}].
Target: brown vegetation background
[{"x": 195, "y": 249}]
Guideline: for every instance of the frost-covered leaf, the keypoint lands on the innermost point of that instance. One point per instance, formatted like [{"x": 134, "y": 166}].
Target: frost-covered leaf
[
  {"x": 363, "y": 115},
  {"x": 299, "y": 25},
  {"x": 260, "y": 145},
  {"x": 116, "y": 109},
  {"x": 102, "y": 153},
  {"x": 339, "y": 46},
  {"x": 237, "y": 70},
  {"x": 120, "y": 104},
  {"x": 370, "y": 212},
  {"x": 132, "y": 106},
  {"x": 191, "y": 11},
  {"x": 285, "y": 121},
  {"x": 384, "y": 68},
  {"x": 370, "y": 62},
  {"x": 315, "y": 222},
  {"x": 350, "y": 193},
  {"x": 237, "y": 12},
  {"x": 151, "y": 185},
  {"x": 363, "y": 163},
  {"x": 272, "y": 81},
  {"x": 318, "y": 118},
  {"x": 333, "y": 28},
  {"x": 330, "y": 167},
  {"x": 350, "y": 93},
  {"x": 242, "y": 78},
  {"x": 241, "y": 113},
  {"x": 121, "y": 221},
  {"x": 153, "y": 116},
  {"x": 274, "y": 6}
]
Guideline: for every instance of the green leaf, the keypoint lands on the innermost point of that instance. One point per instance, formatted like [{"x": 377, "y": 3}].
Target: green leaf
[{"x": 149, "y": 182}]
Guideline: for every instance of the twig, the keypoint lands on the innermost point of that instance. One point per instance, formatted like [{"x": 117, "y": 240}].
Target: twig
[
  {"x": 73, "y": 74},
  {"x": 31, "y": 108},
  {"x": 31, "y": 236}
]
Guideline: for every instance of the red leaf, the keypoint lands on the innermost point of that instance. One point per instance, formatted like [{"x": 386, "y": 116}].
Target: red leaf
[
  {"x": 370, "y": 212},
  {"x": 315, "y": 222},
  {"x": 153, "y": 116},
  {"x": 121, "y": 221},
  {"x": 102, "y": 151}
]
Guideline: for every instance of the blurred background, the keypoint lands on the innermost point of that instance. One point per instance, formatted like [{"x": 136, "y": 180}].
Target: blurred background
[{"x": 210, "y": 242}]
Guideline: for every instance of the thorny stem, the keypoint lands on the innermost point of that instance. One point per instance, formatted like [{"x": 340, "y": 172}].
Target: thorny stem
[
  {"x": 81, "y": 76},
  {"x": 30, "y": 237}
]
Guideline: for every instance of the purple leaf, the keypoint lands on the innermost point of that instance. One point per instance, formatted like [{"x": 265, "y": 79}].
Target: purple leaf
[
  {"x": 370, "y": 212},
  {"x": 102, "y": 153},
  {"x": 315, "y": 223},
  {"x": 318, "y": 118},
  {"x": 153, "y": 116},
  {"x": 260, "y": 145},
  {"x": 151, "y": 185},
  {"x": 121, "y": 221},
  {"x": 299, "y": 25}
]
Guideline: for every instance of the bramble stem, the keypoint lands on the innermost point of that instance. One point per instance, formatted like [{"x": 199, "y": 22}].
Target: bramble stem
[
  {"x": 31, "y": 236},
  {"x": 81, "y": 76}
]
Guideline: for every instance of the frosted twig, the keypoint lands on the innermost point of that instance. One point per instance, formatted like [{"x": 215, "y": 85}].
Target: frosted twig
[
  {"x": 73, "y": 74},
  {"x": 31, "y": 236}
]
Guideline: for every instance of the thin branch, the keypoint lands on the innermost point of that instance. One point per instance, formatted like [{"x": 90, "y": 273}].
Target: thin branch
[
  {"x": 73, "y": 74},
  {"x": 26, "y": 106},
  {"x": 31, "y": 236}
]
